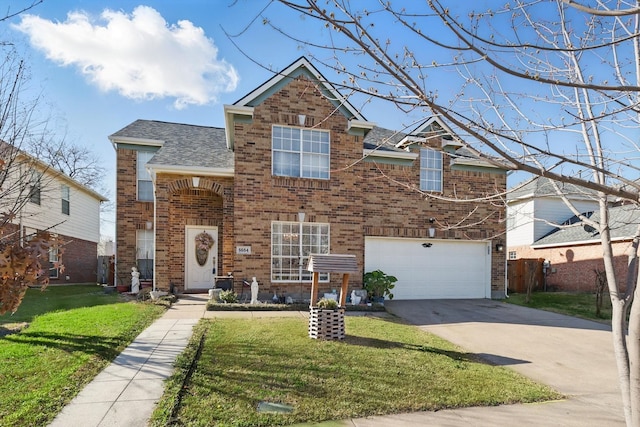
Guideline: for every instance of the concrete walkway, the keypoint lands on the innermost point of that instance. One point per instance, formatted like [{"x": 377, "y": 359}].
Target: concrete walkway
[
  {"x": 125, "y": 393},
  {"x": 571, "y": 355}
]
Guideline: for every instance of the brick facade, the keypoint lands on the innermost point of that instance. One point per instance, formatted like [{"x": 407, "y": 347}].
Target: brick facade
[
  {"x": 80, "y": 258},
  {"x": 573, "y": 267},
  {"x": 132, "y": 215},
  {"x": 360, "y": 199},
  {"x": 80, "y": 261}
]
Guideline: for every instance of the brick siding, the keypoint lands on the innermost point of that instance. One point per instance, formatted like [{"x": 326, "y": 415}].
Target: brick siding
[{"x": 572, "y": 267}]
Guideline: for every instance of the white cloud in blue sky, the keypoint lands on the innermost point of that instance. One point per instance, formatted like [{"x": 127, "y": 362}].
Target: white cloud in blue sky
[{"x": 138, "y": 54}]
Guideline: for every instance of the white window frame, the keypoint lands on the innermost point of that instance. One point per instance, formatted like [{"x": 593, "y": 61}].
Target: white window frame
[
  {"x": 431, "y": 170},
  {"x": 291, "y": 245},
  {"x": 142, "y": 175},
  {"x": 66, "y": 197},
  {"x": 145, "y": 251},
  {"x": 54, "y": 272},
  {"x": 308, "y": 149},
  {"x": 35, "y": 188},
  {"x": 513, "y": 255}
]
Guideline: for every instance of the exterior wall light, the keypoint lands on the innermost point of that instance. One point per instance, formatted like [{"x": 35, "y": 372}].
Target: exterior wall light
[
  {"x": 499, "y": 247},
  {"x": 301, "y": 216}
]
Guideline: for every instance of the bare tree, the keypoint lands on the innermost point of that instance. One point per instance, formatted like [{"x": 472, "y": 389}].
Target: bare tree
[
  {"x": 552, "y": 88},
  {"x": 73, "y": 160}
]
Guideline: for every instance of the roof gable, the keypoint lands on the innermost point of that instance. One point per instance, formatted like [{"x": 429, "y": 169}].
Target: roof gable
[
  {"x": 301, "y": 66},
  {"x": 242, "y": 110}
]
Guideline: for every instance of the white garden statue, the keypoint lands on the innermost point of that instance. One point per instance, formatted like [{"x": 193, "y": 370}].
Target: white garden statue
[
  {"x": 135, "y": 280},
  {"x": 254, "y": 291}
]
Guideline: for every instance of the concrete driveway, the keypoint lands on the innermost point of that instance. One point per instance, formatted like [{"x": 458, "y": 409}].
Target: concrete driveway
[{"x": 573, "y": 356}]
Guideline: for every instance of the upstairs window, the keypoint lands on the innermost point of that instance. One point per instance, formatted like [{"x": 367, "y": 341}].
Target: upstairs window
[
  {"x": 430, "y": 170},
  {"x": 145, "y": 186},
  {"x": 302, "y": 153},
  {"x": 34, "y": 188},
  {"x": 66, "y": 192}
]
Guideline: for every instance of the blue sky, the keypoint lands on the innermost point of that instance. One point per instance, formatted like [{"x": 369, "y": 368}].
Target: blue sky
[{"x": 101, "y": 65}]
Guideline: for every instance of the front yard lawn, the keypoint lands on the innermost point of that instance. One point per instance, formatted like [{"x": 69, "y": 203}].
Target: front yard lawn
[
  {"x": 46, "y": 364},
  {"x": 573, "y": 304},
  {"x": 381, "y": 367}
]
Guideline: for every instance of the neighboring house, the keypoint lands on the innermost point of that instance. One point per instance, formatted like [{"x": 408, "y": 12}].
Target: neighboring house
[
  {"x": 45, "y": 199},
  {"x": 534, "y": 209},
  {"x": 575, "y": 251},
  {"x": 541, "y": 226},
  {"x": 298, "y": 170}
]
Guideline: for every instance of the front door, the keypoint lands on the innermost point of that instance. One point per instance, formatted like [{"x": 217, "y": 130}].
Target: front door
[{"x": 201, "y": 257}]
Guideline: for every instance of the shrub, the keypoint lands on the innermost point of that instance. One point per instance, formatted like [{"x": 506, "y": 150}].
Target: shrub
[
  {"x": 228, "y": 297},
  {"x": 327, "y": 303}
]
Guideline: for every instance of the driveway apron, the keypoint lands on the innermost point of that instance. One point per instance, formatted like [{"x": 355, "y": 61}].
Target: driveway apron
[{"x": 573, "y": 356}]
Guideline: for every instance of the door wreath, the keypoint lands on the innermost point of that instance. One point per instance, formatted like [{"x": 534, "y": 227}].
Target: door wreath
[{"x": 204, "y": 242}]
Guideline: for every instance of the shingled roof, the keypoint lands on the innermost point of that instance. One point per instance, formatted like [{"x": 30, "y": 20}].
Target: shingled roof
[
  {"x": 182, "y": 144},
  {"x": 542, "y": 187},
  {"x": 623, "y": 220}
]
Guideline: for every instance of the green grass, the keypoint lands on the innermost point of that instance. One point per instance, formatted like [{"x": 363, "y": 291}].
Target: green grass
[
  {"x": 46, "y": 364},
  {"x": 573, "y": 304},
  {"x": 381, "y": 367},
  {"x": 37, "y": 301}
]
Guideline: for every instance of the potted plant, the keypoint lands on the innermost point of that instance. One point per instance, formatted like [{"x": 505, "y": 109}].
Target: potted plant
[{"x": 379, "y": 285}]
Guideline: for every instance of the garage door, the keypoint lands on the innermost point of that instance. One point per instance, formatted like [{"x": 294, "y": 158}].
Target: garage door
[{"x": 446, "y": 269}]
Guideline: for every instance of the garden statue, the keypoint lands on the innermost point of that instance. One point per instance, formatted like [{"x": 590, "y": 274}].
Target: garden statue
[
  {"x": 355, "y": 299},
  {"x": 135, "y": 280},
  {"x": 254, "y": 291}
]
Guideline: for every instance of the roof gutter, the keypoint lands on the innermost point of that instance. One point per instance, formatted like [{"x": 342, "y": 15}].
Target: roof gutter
[{"x": 196, "y": 170}]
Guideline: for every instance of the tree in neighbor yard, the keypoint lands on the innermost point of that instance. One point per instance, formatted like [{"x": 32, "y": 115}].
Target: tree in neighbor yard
[
  {"x": 552, "y": 88},
  {"x": 24, "y": 259}
]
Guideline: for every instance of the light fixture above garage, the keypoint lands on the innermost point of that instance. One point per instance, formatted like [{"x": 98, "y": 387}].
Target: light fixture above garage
[
  {"x": 500, "y": 247},
  {"x": 432, "y": 230}
]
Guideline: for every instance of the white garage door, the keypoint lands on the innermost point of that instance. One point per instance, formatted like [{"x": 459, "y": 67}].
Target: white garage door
[{"x": 447, "y": 269}]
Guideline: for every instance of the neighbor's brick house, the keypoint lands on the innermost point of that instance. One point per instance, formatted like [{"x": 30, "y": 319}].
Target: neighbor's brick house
[{"x": 297, "y": 170}]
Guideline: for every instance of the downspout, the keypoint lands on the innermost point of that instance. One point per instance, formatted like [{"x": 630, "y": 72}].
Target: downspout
[{"x": 155, "y": 206}]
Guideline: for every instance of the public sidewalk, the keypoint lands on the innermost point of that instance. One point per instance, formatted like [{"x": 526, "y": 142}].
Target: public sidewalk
[{"x": 125, "y": 393}]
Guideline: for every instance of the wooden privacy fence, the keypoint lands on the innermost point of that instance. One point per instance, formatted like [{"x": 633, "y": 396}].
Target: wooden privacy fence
[{"x": 525, "y": 271}]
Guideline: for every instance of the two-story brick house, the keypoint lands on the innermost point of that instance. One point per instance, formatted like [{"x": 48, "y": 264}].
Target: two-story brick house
[{"x": 298, "y": 170}]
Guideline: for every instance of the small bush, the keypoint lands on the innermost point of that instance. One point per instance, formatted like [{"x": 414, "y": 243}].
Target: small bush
[
  {"x": 327, "y": 303},
  {"x": 228, "y": 297}
]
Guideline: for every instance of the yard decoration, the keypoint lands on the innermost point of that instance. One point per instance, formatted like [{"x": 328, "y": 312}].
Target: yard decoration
[
  {"x": 378, "y": 285},
  {"x": 204, "y": 242},
  {"x": 328, "y": 323}
]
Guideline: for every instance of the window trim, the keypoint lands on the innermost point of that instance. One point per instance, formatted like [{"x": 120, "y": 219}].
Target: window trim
[
  {"x": 303, "y": 260},
  {"x": 424, "y": 168},
  {"x": 67, "y": 199},
  {"x": 301, "y": 152},
  {"x": 54, "y": 272},
  {"x": 145, "y": 252},
  {"x": 35, "y": 189},
  {"x": 140, "y": 168}
]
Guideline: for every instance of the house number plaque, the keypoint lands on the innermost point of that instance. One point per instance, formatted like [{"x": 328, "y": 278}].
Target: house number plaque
[{"x": 243, "y": 250}]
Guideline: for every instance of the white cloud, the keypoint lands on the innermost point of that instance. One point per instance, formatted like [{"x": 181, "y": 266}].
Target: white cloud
[{"x": 139, "y": 55}]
